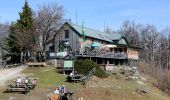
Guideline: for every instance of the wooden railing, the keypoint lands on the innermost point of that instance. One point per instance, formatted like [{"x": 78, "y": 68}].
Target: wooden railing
[
  {"x": 88, "y": 77},
  {"x": 101, "y": 54},
  {"x": 98, "y": 53}
]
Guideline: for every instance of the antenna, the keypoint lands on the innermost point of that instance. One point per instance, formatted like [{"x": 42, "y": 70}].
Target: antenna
[
  {"x": 104, "y": 26},
  {"x": 76, "y": 16}
]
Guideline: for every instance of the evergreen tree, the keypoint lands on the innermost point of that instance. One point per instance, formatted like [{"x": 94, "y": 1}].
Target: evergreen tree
[
  {"x": 26, "y": 21},
  {"x": 26, "y": 28},
  {"x": 12, "y": 46},
  {"x": 22, "y": 37}
]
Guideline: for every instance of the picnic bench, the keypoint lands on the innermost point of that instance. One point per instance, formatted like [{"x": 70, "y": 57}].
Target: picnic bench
[
  {"x": 14, "y": 88},
  {"x": 25, "y": 88},
  {"x": 75, "y": 78},
  {"x": 30, "y": 86},
  {"x": 67, "y": 95},
  {"x": 36, "y": 64},
  {"x": 81, "y": 78}
]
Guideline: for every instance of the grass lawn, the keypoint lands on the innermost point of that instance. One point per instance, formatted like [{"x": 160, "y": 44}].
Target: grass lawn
[
  {"x": 48, "y": 80},
  {"x": 118, "y": 89},
  {"x": 96, "y": 89},
  {"x": 49, "y": 77}
]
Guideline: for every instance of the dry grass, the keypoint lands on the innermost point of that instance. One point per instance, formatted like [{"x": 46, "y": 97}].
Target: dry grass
[
  {"x": 161, "y": 76},
  {"x": 117, "y": 90},
  {"x": 96, "y": 89}
]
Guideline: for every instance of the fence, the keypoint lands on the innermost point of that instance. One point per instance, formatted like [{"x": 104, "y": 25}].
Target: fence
[{"x": 88, "y": 77}]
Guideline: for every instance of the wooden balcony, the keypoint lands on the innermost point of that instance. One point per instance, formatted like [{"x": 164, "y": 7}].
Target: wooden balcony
[
  {"x": 96, "y": 54},
  {"x": 101, "y": 54}
]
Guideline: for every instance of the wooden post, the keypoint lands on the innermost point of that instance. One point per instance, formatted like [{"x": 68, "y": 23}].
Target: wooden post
[{"x": 108, "y": 61}]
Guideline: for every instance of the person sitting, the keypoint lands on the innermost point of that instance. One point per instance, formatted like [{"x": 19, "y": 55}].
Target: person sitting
[
  {"x": 71, "y": 74},
  {"x": 62, "y": 92},
  {"x": 56, "y": 95},
  {"x": 75, "y": 73},
  {"x": 59, "y": 89},
  {"x": 18, "y": 81},
  {"x": 26, "y": 81},
  {"x": 34, "y": 82},
  {"x": 63, "y": 89},
  {"x": 56, "y": 91}
]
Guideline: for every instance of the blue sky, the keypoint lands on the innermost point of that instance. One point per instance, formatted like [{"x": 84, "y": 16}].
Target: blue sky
[{"x": 95, "y": 13}]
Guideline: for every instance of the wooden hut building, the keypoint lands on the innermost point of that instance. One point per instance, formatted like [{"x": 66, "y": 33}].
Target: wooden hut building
[{"x": 107, "y": 50}]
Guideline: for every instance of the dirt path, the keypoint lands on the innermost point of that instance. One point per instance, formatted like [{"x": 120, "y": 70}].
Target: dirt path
[{"x": 8, "y": 74}]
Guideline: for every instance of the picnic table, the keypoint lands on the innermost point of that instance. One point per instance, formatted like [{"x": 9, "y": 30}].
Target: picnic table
[
  {"x": 75, "y": 78},
  {"x": 30, "y": 84},
  {"x": 14, "y": 88},
  {"x": 35, "y": 64},
  {"x": 67, "y": 95},
  {"x": 25, "y": 88}
]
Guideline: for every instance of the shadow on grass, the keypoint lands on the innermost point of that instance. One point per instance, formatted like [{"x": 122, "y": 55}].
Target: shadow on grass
[{"x": 16, "y": 92}]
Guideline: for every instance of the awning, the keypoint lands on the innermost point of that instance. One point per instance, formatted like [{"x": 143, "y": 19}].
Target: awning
[
  {"x": 111, "y": 46},
  {"x": 62, "y": 54},
  {"x": 95, "y": 44}
]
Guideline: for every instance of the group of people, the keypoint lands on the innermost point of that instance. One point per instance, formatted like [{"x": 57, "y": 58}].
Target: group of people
[
  {"x": 59, "y": 93},
  {"x": 25, "y": 81},
  {"x": 60, "y": 90}
]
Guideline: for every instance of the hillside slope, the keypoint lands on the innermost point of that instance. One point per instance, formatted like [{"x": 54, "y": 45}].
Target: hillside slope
[{"x": 112, "y": 88}]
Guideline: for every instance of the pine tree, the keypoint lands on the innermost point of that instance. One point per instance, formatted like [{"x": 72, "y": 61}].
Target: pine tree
[
  {"x": 12, "y": 46},
  {"x": 26, "y": 30},
  {"x": 26, "y": 27},
  {"x": 22, "y": 37},
  {"x": 26, "y": 21}
]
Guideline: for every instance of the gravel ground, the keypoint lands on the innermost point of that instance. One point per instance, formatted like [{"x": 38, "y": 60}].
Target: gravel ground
[{"x": 8, "y": 74}]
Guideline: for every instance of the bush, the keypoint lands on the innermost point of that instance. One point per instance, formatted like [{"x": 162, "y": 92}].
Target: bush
[
  {"x": 101, "y": 73},
  {"x": 84, "y": 66}
]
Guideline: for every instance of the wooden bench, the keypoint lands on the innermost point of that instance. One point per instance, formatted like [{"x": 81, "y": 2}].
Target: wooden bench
[
  {"x": 67, "y": 95},
  {"x": 30, "y": 86},
  {"x": 12, "y": 88},
  {"x": 36, "y": 64},
  {"x": 75, "y": 78}
]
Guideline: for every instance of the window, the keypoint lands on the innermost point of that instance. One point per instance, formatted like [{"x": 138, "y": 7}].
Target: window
[
  {"x": 66, "y": 34},
  {"x": 51, "y": 49}
]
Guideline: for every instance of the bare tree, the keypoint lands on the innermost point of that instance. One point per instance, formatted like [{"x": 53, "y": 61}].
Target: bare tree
[
  {"x": 48, "y": 19},
  {"x": 109, "y": 30},
  {"x": 155, "y": 52},
  {"x": 3, "y": 31},
  {"x": 149, "y": 42},
  {"x": 165, "y": 48},
  {"x": 131, "y": 30}
]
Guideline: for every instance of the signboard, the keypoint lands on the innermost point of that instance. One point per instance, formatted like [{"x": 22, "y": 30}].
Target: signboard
[{"x": 68, "y": 63}]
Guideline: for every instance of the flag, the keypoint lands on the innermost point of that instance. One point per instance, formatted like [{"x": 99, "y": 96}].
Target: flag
[{"x": 83, "y": 32}]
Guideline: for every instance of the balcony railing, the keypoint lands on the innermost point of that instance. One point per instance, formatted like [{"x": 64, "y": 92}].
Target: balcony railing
[
  {"x": 101, "y": 54},
  {"x": 94, "y": 53}
]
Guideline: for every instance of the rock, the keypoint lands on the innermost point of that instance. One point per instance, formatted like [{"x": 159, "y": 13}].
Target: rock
[
  {"x": 114, "y": 73},
  {"x": 129, "y": 78},
  {"x": 81, "y": 98},
  {"x": 142, "y": 90},
  {"x": 12, "y": 98},
  {"x": 141, "y": 83},
  {"x": 142, "y": 78},
  {"x": 134, "y": 77},
  {"x": 118, "y": 76}
]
